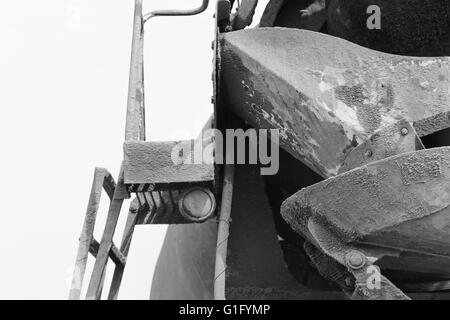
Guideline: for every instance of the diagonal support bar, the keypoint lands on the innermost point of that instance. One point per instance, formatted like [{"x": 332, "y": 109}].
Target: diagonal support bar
[
  {"x": 102, "y": 178},
  {"x": 95, "y": 284}
]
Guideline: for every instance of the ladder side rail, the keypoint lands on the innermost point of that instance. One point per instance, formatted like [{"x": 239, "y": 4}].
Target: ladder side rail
[{"x": 86, "y": 237}]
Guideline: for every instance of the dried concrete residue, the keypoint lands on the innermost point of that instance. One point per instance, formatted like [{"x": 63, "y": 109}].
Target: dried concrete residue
[
  {"x": 420, "y": 170},
  {"x": 381, "y": 195}
]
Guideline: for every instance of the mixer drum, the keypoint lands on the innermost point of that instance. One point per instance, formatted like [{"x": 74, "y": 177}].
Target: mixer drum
[{"x": 413, "y": 28}]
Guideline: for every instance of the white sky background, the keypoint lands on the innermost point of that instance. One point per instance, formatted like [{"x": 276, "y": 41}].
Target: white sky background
[{"x": 63, "y": 89}]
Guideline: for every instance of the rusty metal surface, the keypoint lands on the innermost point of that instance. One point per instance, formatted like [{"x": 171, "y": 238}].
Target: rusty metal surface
[
  {"x": 400, "y": 204},
  {"x": 327, "y": 95}
]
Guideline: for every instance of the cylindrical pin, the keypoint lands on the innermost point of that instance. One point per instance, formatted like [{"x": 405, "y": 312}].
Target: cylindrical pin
[{"x": 197, "y": 204}]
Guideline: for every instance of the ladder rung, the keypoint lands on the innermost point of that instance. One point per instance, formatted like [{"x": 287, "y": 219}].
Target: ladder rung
[{"x": 114, "y": 253}]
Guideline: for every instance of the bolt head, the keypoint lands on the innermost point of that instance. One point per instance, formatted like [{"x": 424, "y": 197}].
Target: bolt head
[
  {"x": 404, "y": 131},
  {"x": 355, "y": 260},
  {"x": 369, "y": 153}
]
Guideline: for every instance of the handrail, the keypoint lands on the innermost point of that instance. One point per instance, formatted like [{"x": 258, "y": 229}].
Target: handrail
[
  {"x": 135, "y": 123},
  {"x": 169, "y": 13}
]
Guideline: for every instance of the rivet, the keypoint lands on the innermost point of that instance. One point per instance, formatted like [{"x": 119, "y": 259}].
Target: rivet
[
  {"x": 355, "y": 260},
  {"x": 404, "y": 131}
]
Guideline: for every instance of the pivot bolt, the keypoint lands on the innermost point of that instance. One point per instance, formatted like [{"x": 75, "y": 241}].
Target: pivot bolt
[
  {"x": 197, "y": 204},
  {"x": 355, "y": 260},
  {"x": 404, "y": 131}
]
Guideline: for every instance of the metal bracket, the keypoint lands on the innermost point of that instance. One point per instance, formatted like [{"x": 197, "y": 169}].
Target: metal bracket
[
  {"x": 358, "y": 264},
  {"x": 395, "y": 139}
]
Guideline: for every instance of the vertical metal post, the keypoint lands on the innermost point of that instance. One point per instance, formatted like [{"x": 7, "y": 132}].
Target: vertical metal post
[
  {"x": 223, "y": 233},
  {"x": 135, "y": 123}
]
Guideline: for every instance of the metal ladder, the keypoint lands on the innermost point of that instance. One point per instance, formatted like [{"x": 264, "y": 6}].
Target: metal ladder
[{"x": 105, "y": 248}]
